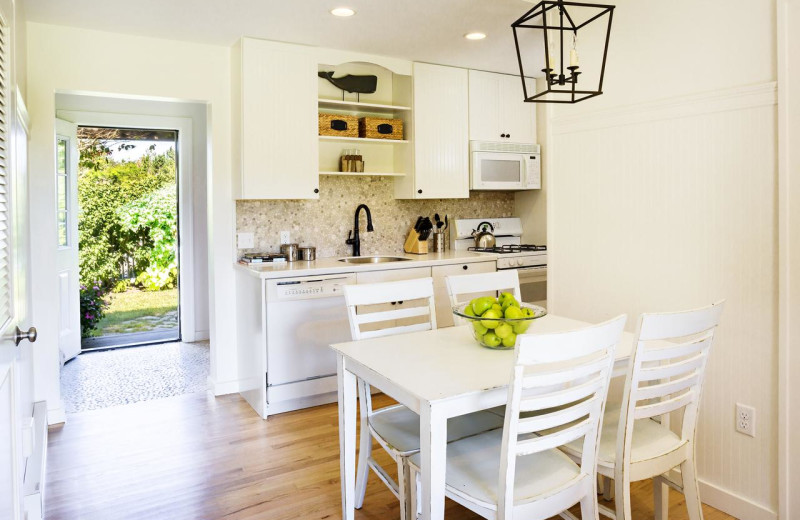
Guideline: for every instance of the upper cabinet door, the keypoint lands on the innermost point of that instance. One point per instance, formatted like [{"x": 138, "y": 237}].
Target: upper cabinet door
[
  {"x": 441, "y": 137},
  {"x": 517, "y": 118},
  {"x": 279, "y": 143},
  {"x": 497, "y": 111},
  {"x": 484, "y": 106}
]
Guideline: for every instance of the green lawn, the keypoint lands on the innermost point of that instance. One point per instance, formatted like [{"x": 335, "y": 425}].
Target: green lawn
[{"x": 139, "y": 311}]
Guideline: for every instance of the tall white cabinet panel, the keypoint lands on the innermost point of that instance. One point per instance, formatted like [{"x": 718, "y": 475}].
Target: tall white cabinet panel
[
  {"x": 440, "y": 137},
  {"x": 497, "y": 111},
  {"x": 277, "y": 134}
]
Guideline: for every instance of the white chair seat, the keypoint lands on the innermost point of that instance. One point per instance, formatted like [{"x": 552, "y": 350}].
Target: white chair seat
[
  {"x": 399, "y": 427},
  {"x": 473, "y": 466},
  {"x": 650, "y": 440}
]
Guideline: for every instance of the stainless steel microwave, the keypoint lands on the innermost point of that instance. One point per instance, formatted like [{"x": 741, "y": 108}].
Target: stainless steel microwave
[{"x": 504, "y": 166}]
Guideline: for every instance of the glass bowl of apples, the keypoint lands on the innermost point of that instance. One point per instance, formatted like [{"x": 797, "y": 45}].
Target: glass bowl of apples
[{"x": 496, "y": 322}]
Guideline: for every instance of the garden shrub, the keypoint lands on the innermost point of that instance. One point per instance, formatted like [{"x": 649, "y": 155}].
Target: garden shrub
[{"x": 93, "y": 307}]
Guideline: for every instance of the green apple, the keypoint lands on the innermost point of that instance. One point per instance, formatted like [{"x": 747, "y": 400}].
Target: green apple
[
  {"x": 479, "y": 328},
  {"x": 503, "y": 330},
  {"x": 509, "y": 302},
  {"x": 498, "y": 308},
  {"x": 490, "y": 339},
  {"x": 481, "y": 305},
  {"x": 490, "y": 318},
  {"x": 513, "y": 313},
  {"x": 510, "y": 340},
  {"x": 527, "y": 312},
  {"x": 521, "y": 327},
  {"x": 468, "y": 310},
  {"x": 504, "y": 296}
]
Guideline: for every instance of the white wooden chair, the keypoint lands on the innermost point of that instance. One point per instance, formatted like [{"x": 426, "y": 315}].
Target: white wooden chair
[
  {"x": 464, "y": 287},
  {"x": 519, "y": 472},
  {"x": 396, "y": 428},
  {"x": 665, "y": 375}
]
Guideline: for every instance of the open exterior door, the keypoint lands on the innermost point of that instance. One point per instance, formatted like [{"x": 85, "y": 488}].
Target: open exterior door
[{"x": 69, "y": 320}]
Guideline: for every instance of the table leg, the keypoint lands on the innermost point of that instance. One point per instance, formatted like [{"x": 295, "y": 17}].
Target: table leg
[
  {"x": 348, "y": 404},
  {"x": 433, "y": 449}
]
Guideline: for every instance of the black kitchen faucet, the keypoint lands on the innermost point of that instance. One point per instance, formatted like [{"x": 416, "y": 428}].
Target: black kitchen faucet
[{"x": 355, "y": 241}]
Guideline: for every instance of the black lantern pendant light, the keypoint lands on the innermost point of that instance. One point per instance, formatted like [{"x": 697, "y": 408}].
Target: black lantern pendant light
[{"x": 563, "y": 77}]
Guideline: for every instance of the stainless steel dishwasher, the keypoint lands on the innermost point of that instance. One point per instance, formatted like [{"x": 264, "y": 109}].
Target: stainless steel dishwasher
[{"x": 304, "y": 316}]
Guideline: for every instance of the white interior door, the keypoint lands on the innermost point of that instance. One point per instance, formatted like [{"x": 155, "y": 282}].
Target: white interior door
[
  {"x": 69, "y": 321},
  {"x": 16, "y": 360}
]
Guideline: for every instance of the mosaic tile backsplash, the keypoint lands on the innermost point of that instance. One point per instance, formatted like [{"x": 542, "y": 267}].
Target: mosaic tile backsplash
[{"x": 324, "y": 223}]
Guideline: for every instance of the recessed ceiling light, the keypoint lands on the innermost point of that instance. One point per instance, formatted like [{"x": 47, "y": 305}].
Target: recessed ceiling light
[
  {"x": 342, "y": 11},
  {"x": 475, "y": 36}
]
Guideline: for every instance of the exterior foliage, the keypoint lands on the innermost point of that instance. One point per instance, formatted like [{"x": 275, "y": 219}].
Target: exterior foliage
[{"x": 127, "y": 223}]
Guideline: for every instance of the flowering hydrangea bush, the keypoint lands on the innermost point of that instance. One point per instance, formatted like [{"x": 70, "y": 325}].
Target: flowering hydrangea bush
[{"x": 93, "y": 306}]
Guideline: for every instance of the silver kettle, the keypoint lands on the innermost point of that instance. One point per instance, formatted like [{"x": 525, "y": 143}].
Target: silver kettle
[{"x": 484, "y": 238}]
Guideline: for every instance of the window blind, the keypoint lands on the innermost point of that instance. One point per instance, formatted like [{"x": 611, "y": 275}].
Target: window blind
[{"x": 5, "y": 192}]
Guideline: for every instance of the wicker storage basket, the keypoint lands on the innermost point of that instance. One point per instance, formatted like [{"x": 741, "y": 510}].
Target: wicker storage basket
[
  {"x": 340, "y": 125},
  {"x": 377, "y": 128}
]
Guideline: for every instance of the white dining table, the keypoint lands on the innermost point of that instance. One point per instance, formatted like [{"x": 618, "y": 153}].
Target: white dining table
[{"x": 439, "y": 374}]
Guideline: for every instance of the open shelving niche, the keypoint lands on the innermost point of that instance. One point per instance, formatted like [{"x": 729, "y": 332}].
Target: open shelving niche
[{"x": 391, "y": 99}]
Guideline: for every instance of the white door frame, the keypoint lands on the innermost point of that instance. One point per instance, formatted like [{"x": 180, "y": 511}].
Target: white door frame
[
  {"x": 185, "y": 194},
  {"x": 788, "y": 14}
]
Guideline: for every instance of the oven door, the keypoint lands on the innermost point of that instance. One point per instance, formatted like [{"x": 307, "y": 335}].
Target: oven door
[
  {"x": 533, "y": 285},
  {"x": 497, "y": 171}
]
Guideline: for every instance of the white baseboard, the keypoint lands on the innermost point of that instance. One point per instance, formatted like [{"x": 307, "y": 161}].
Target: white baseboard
[
  {"x": 57, "y": 414},
  {"x": 223, "y": 387},
  {"x": 728, "y": 502},
  {"x": 202, "y": 335}
]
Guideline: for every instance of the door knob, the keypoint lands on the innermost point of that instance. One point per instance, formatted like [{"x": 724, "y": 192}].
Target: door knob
[{"x": 19, "y": 335}]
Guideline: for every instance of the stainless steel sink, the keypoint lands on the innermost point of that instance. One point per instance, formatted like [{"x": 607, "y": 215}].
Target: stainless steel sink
[{"x": 372, "y": 259}]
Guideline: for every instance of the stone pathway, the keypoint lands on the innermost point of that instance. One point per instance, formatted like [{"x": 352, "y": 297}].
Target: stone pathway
[
  {"x": 116, "y": 377},
  {"x": 147, "y": 323}
]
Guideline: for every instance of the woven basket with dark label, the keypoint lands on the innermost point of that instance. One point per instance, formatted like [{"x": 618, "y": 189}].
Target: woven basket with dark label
[
  {"x": 340, "y": 125},
  {"x": 377, "y": 128}
]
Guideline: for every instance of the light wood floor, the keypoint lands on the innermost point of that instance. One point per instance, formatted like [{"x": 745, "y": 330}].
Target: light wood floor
[{"x": 197, "y": 457}]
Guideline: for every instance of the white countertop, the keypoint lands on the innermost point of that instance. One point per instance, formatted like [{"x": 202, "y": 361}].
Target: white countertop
[{"x": 333, "y": 265}]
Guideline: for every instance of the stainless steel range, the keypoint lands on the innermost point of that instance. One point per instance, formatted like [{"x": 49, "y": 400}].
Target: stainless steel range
[{"x": 530, "y": 261}]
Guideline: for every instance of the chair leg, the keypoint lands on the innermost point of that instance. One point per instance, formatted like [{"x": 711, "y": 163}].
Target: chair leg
[
  {"x": 589, "y": 506},
  {"x": 362, "y": 473},
  {"x": 660, "y": 499},
  {"x": 608, "y": 489},
  {"x": 414, "y": 492},
  {"x": 691, "y": 491},
  {"x": 404, "y": 489},
  {"x": 622, "y": 498}
]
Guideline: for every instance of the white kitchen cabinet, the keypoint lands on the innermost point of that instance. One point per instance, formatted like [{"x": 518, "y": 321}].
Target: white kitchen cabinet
[
  {"x": 444, "y": 313},
  {"x": 497, "y": 111},
  {"x": 440, "y": 138},
  {"x": 274, "y": 90}
]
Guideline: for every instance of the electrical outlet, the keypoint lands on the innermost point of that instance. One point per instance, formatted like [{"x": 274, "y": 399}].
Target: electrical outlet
[
  {"x": 285, "y": 237},
  {"x": 746, "y": 419},
  {"x": 245, "y": 240}
]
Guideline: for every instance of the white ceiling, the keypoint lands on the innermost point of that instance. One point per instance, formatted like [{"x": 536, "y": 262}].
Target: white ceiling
[{"x": 419, "y": 30}]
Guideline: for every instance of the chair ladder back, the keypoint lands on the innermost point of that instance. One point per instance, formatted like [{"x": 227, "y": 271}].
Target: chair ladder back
[
  {"x": 667, "y": 371},
  {"x": 564, "y": 377},
  {"x": 482, "y": 283},
  {"x": 361, "y": 297}
]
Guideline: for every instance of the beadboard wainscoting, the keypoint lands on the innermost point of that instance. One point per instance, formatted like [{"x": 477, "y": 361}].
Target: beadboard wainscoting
[
  {"x": 324, "y": 223},
  {"x": 671, "y": 205}
]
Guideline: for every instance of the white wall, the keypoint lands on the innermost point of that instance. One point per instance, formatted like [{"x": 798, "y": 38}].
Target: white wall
[
  {"x": 662, "y": 195},
  {"x": 199, "y": 176},
  {"x": 64, "y": 59}
]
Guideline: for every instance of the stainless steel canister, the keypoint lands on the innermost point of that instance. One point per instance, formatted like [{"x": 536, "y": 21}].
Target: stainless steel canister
[
  {"x": 438, "y": 242},
  {"x": 308, "y": 253},
  {"x": 290, "y": 250}
]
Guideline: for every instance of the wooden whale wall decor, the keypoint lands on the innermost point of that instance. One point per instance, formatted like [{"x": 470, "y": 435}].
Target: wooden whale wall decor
[{"x": 350, "y": 83}]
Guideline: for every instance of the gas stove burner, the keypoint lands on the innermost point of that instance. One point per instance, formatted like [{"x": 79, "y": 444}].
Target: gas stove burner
[{"x": 508, "y": 249}]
